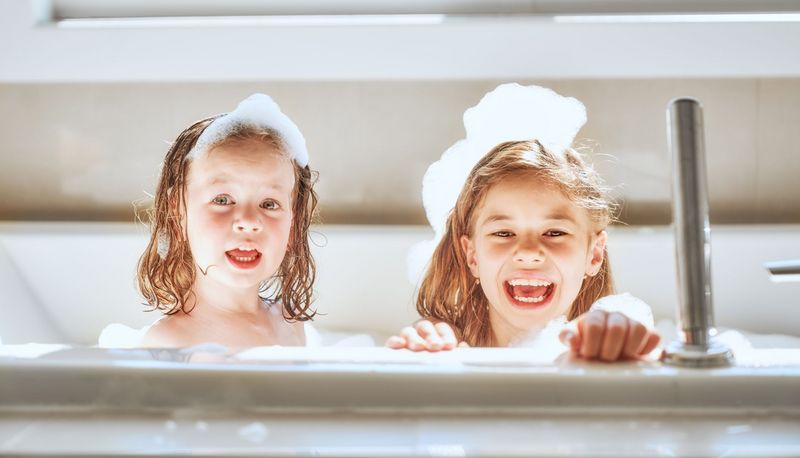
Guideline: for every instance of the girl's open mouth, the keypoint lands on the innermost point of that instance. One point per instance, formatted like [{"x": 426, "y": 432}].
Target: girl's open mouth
[
  {"x": 244, "y": 259},
  {"x": 529, "y": 293}
]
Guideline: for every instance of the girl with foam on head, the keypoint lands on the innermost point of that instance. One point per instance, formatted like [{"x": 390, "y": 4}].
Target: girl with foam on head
[
  {"x": 523, "y": 248},
  {"x": 228, "y": 260}
]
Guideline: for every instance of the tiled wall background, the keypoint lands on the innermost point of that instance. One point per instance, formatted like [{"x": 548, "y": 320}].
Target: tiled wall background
[{"x": 89, "y": 151}]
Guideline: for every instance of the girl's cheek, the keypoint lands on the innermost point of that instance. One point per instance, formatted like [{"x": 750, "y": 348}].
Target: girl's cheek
[
  {"x": 501, "y": 254},
  {"x": 483, "y": 255},
  {"x": 493, "y": 260},
  {"x": 496, "y": 247},
  {"x": 280, "y": 220},
  {"x": 565, "y": 247},
  {"x": 208, "y": 221}
]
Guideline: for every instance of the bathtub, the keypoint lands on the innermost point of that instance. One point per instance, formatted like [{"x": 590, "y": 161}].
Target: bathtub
[
  {"x": 61, "y": 396},
  {"x": 380, "y": 402}
]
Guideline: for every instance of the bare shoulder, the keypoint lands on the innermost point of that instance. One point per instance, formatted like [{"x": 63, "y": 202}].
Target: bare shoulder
[
  {"x": 299, "y": 328},
  {"x": 166, "y": 332},
  {"x": 286, "y": 330},
  {"x": 296, "y": 334}
]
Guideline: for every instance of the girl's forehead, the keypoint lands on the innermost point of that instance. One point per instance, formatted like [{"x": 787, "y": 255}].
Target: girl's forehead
[
  {"x": 522, "y": 197},
  {"x": 526, "y": 187},
  {"x": 246, "y": 149},
  {"x": 243, "y": 162}
]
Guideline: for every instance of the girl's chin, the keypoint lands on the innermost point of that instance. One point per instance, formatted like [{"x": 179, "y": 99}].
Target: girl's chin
[
  {"x": 238, "y": 283},
  {"x": 238, "y": 279}
]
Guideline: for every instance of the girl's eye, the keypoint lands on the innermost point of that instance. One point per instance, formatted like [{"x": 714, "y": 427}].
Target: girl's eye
[
  {"x": 222, "y": 199},
  {"x": 555, "y": 233},
  {"x": 503, "y": 234},
  {"x": 270, "y": 205}
]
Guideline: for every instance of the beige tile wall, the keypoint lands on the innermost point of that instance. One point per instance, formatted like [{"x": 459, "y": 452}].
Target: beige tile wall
[{"x": 89, "y": 151}]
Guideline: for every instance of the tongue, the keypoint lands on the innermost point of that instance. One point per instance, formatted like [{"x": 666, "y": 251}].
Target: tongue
[{"x": 529, "y": 291}]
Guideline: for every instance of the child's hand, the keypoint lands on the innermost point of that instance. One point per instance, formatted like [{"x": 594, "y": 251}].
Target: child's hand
[
  {"x": 426, "y": 336},
  {"x": 609, "y": 336}
]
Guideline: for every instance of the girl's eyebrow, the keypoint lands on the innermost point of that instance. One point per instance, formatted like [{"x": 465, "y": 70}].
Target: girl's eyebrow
[{"x": 495, "y": 218}]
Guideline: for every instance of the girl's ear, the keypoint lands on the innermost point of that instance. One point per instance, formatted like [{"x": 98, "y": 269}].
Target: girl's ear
[
  {"x": 596, "y": 254},
  {"x": 469, "y": 252}
]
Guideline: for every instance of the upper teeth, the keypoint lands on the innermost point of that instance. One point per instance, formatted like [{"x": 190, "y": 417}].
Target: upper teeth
[
  {"x": 527, "y": 282},
  {"x": 242, "y": 259},
  {"x": 529, "y": 299}
]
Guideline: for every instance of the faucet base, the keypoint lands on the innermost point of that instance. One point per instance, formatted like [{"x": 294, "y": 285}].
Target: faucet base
[{"x": 714, "y": 355}]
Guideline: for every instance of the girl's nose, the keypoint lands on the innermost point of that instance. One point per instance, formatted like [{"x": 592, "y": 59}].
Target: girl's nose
[
  {"x": 247, "y": 222},
  {"x": 529, "y": 252}
]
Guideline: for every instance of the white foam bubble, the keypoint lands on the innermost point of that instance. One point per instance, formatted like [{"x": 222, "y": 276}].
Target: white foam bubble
[
  {"x": 254, "y": 432},
  {"x": 258, "y": 110},
  {"x": 118, "y": 335}
]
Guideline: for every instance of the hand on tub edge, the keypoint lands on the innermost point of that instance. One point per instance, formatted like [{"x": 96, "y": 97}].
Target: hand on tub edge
[
  {"x": 424, "y": 335},
  {"x": 596, "y": 335},
  {"x": 609, "y": 336}
]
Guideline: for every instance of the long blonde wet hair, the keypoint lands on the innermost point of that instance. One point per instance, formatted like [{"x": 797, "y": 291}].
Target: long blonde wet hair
[
  {"x": 448, "y": 291},
  {"x": 166, "y": 282}
]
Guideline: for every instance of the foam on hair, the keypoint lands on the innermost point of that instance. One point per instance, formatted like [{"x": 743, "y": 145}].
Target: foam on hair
[
  {"x": 259, "y": 111},
  {"x": 509, "y": 112}
]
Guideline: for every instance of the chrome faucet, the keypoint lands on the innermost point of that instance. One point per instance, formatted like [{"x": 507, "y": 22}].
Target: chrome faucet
[{"x": 696, "y": 347}]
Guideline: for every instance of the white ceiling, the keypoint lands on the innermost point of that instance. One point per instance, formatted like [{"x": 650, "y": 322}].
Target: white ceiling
[{"x": 461, "y": 47}]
